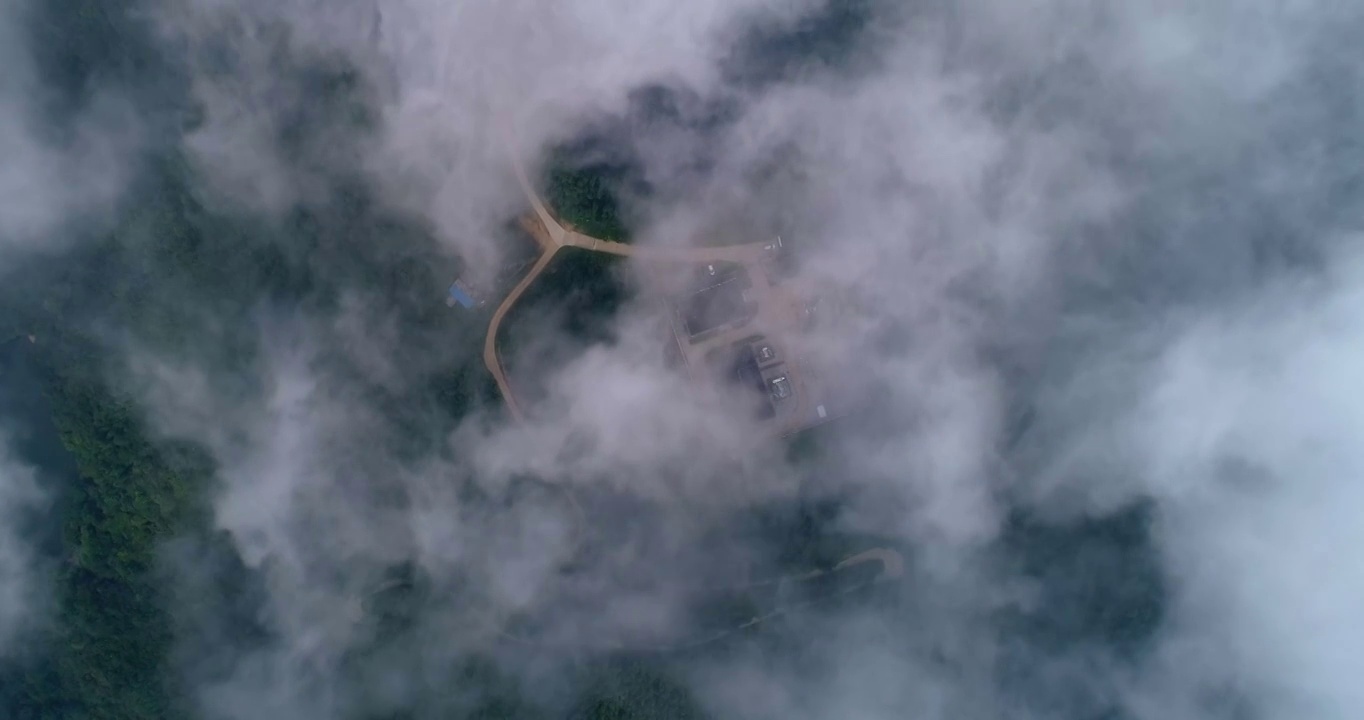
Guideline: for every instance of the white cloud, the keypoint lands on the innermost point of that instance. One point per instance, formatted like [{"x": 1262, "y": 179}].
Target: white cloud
[
  {"x": 1247, "y": 438},
  {"x": 21, "y": 588},
  {"x": 1022, "y": 195},
  {"x": 55, "y": 177}
]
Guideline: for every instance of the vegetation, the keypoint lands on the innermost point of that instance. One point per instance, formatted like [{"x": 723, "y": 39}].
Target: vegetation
[
  {"x": 585, "y": 196},
  {"x": 1101, "y": 576},
  {"x": 184, "y": 282},
  {"x": 107, "y": 656},
  {"x": 634, "y": 689},
  {"x": 1101, "y": 594},
  {"x": 585, "y": 289},
  {"x": 827, "y": 39},
  {"x": 572, "y": 302}
]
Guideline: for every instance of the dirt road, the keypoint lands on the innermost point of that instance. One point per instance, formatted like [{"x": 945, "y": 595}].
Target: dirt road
[
  {"x": 551, "y": 236},
  {"x": 490, "y": 357}
]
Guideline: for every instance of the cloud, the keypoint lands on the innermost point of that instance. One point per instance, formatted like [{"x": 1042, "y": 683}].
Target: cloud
[
  {"x": 1109, "y": 222},
  {"x": 447, "y": 82},
  {"x": 21, "y": 587},
  {"x": 58, "y": 175},
  {"x": 1243, "y": 435}
]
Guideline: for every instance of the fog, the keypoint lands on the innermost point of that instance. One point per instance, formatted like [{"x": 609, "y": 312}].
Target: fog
[
  {"x": 1106, "y": 264},
  {"x": 22, "y": 571},
  {"x": 57, "y": 174}
]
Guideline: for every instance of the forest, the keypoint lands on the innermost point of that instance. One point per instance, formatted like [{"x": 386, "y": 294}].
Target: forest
[
  {"x": 575, "y": 297},
  {"x": 170, "y": 264},
  {"x": 586, "y": 196}
]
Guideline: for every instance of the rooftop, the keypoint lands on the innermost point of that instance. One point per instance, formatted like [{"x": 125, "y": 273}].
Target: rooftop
[
  {"x": 459, "y": 293},
  {"x": 721, "y": 304}
]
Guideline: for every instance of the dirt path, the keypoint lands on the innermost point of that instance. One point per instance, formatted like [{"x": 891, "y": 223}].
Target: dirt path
[
  {"x": 490, "y": 357},
  {"x": 746, "y": 254},
  {"x": 892, "y": 568},
  {"x": 552, "y": 236},
  {"x": 892, "y": 564}
]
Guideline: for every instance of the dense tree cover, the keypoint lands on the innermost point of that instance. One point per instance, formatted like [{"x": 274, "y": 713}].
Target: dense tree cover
[
  {"x": 83, "y": 48},
  {"x": 593, "y": 180},
  {"x": 585, "y": 196},
  {"x": 189, "y": 283},
  {"x": 110, "y": 648},
  {"x": 28, "y": 678},
  {"x": 829, "y": 38},
  {"x": 1102, "y": 598},
  {"x": 106, "y": 654},
  {"x": 589, "y": 179},
  {"x": 635, "y": 689},
  {"x": 572, "y": 303},
  {"x": 583, "y": 290},
  {"x": 1101, "y": 576}
]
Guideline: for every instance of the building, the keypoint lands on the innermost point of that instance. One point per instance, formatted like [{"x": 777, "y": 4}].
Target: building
[
  {"x": 459, "y": 293},
  {"x": 764, "y": 353},
  {"x": 777, "y": 370},
  {"x": 721, "y": 304}
]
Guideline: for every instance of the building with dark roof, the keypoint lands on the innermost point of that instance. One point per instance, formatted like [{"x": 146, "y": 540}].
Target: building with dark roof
[{"x": 718, "y": 306}]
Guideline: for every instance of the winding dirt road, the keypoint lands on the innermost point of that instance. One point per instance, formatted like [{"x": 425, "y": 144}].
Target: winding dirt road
[
  {"x": 490, "y": 357},
  {"x": 552, "y": 237}
]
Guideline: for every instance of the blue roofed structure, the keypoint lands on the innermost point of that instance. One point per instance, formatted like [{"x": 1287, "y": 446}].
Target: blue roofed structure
[{"x": 459, "y": 295}]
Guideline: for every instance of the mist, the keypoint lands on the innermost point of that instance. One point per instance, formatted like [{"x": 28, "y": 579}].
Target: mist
[
  {"x": 1098, "y": 267},
  {"x": 21, "y": 568},
  {"x": 65, "y": 166}
]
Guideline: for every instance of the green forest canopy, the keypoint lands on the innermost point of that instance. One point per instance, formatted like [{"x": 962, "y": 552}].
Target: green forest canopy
[{"x": 586, "y": 198}]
